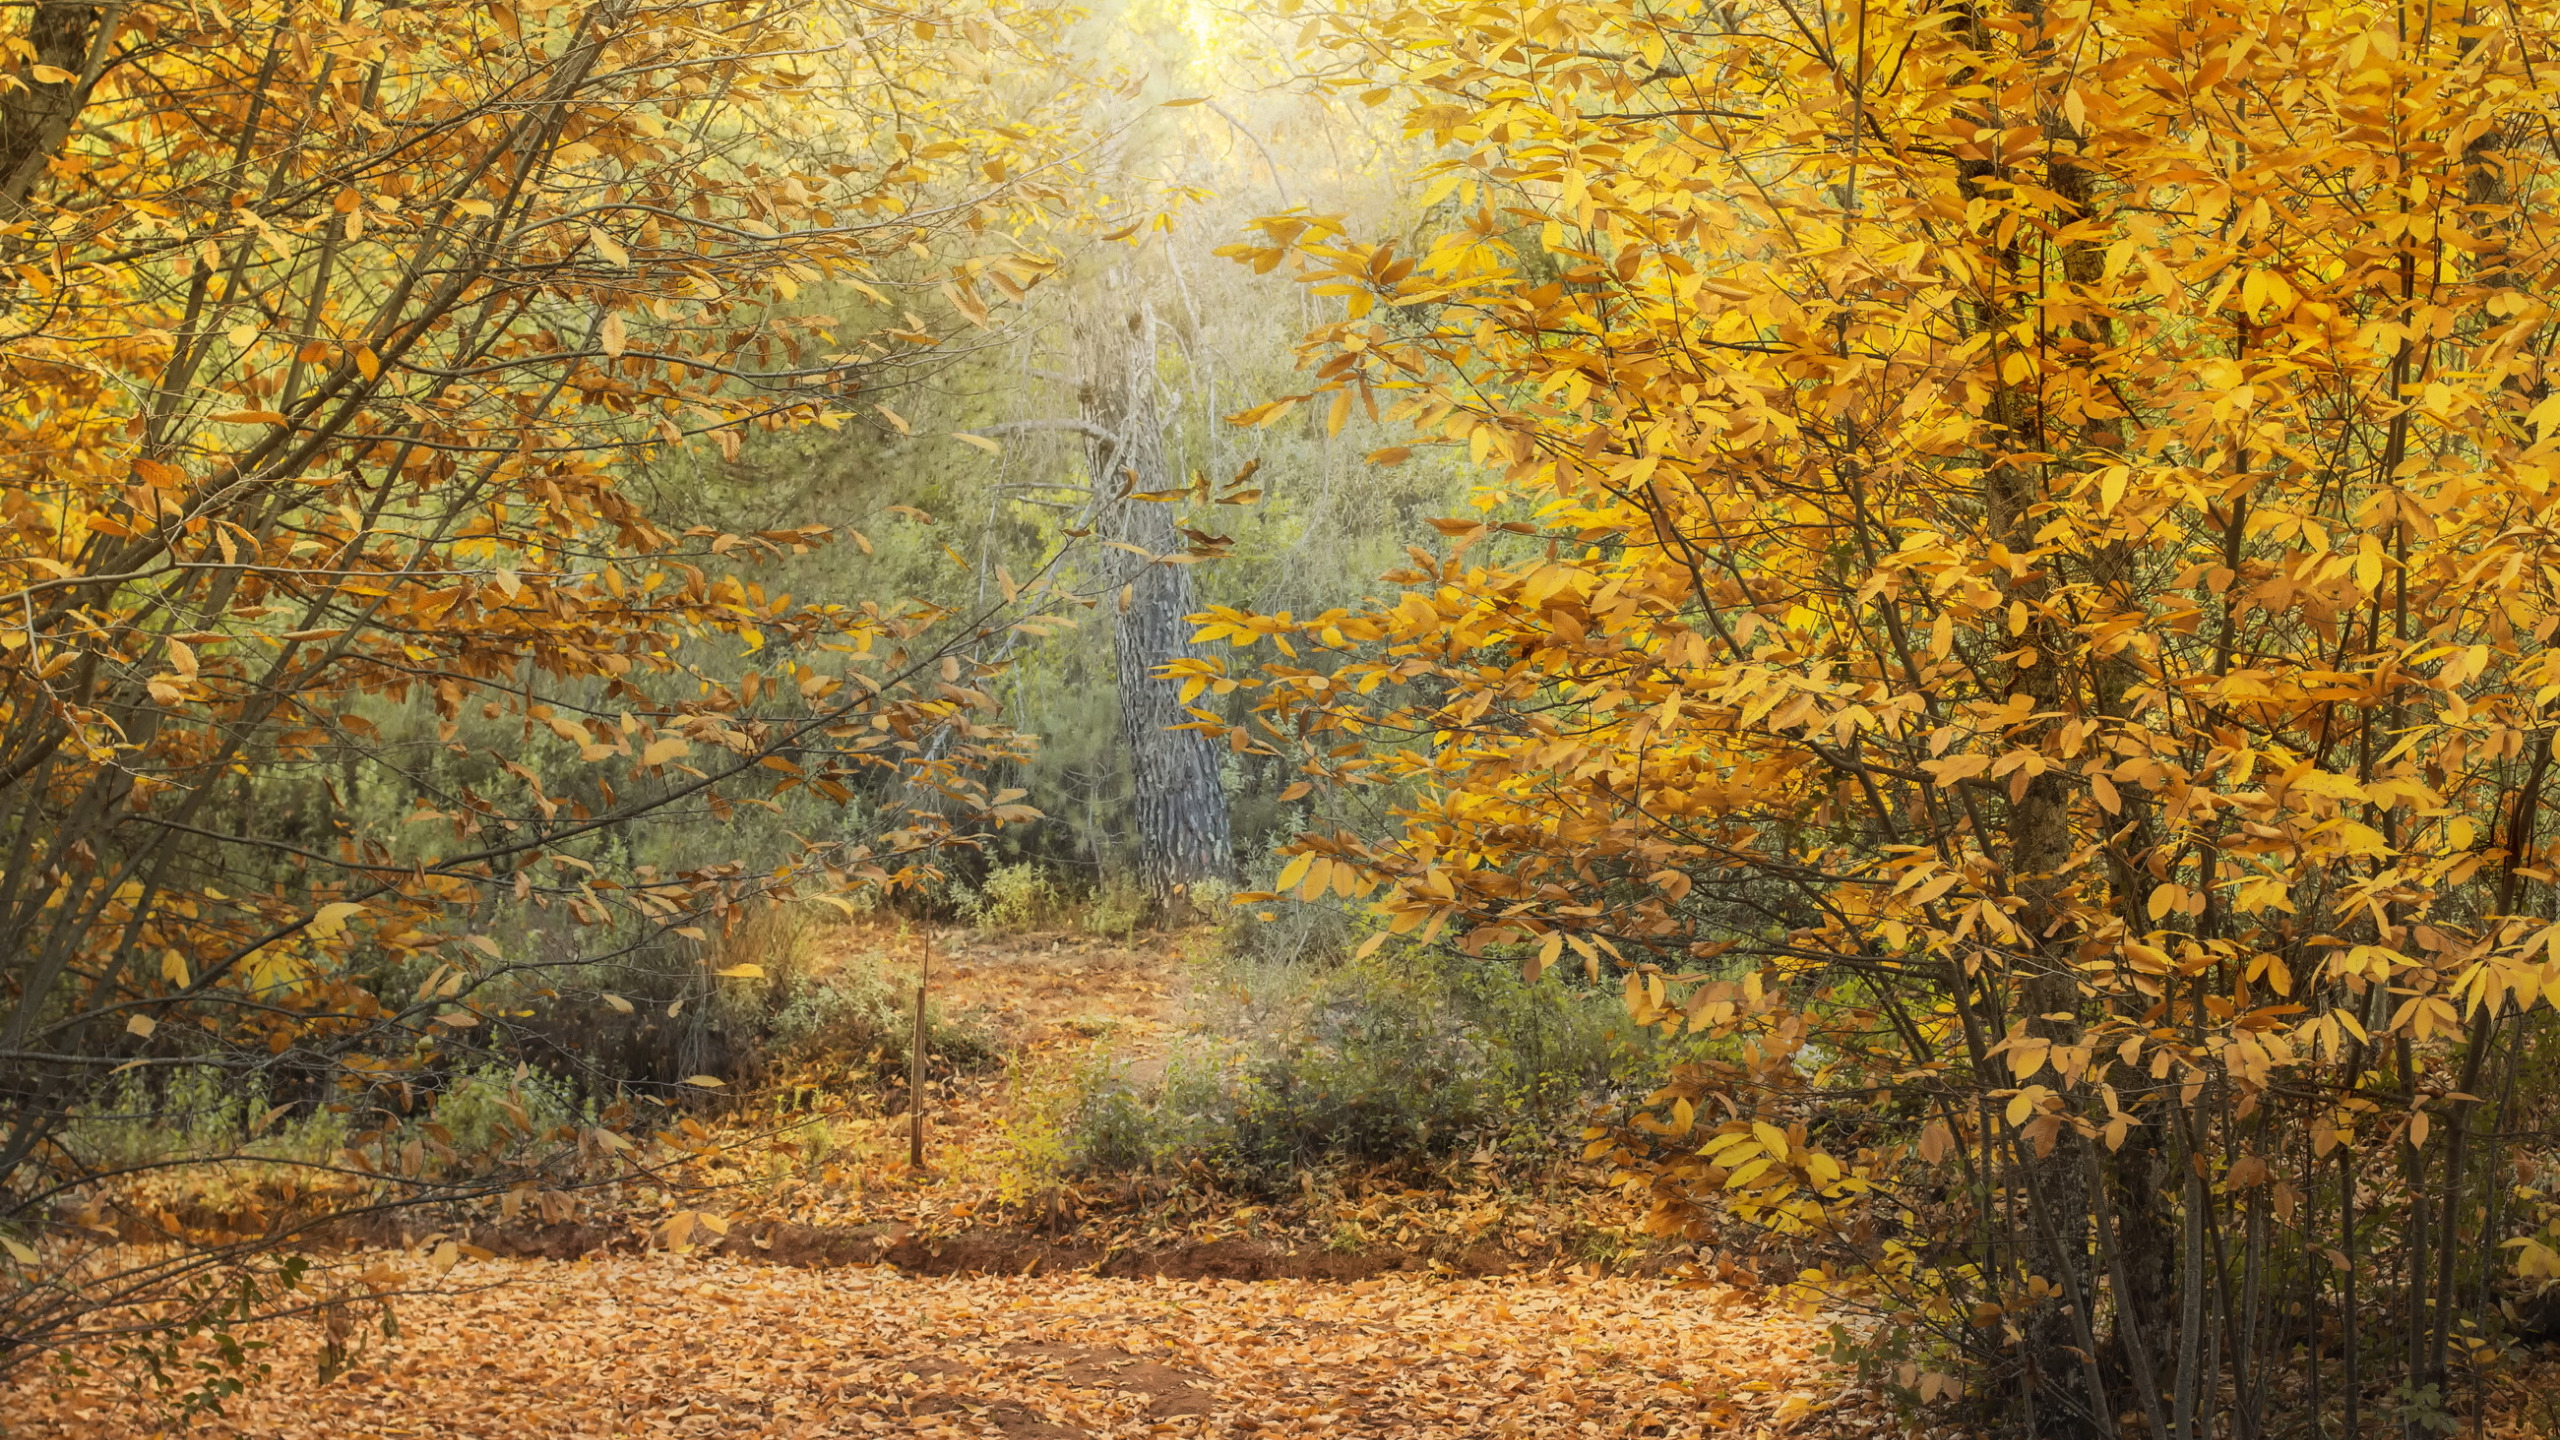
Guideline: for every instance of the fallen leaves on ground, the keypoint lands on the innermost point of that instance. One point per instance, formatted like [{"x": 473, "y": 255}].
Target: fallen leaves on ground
[{"x": 668, "y": 1346}]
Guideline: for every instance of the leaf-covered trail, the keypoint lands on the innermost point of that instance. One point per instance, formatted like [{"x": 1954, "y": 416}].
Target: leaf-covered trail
[{"x": 674, "y": 1346}]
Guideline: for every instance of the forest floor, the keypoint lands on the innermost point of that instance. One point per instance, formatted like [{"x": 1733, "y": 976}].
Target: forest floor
[
  {"x": 808, "y": 1289},
  {"x": 805, "y": 1282}
]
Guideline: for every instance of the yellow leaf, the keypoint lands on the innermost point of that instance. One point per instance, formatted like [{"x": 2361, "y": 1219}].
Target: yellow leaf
[
  {"x": 1771, "y": 1138},
  {"x": 707, "y": 1082},
  {"x": 1548, "y": 952},
  {"x": 613, "y": 335},
  {"x": 620, "y": 1005},
  {"x": 331, "y": 919},
  {"x": 981, "y": 441},
  {"x": 664, "y": 749},
  {"x": 747, "y": 971},
  {"x": 141, "y": 1025}
]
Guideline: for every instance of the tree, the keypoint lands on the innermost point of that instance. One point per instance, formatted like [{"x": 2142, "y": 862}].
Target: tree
[
  {"x": 328, "y": 333},
  {"x": 1181, "y": 797},
  {"x": 2009, "y": 599}
]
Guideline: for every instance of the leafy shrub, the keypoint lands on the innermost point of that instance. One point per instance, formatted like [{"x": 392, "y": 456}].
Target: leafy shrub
[
  {"x": 196, "y": 1113},
  {"x": 1014, "y": 897},
  {"x": 1117, "y": 909},
  {"x": 854, "y": 1021},
  {"x": 494, "y": 1109},
  {"x": 1397, "y": 1062}
]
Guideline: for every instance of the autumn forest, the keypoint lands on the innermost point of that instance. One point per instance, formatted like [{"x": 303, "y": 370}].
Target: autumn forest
[{"x": 1401, "y": 718}]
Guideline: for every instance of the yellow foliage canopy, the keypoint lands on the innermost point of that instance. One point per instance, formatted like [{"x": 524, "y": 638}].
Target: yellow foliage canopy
[
  {"x": 2011, "y": 583},
  {"x": 328, "y": 336}
]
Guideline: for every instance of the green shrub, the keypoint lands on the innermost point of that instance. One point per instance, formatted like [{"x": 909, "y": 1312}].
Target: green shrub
[
  {"x": 1117, "y": 909},
  {"x": 1395, "y": 1062},
  {"x": 1014, "y": 897},
  {"x": 856, "y": 1021},
  {"x": 496, "y": 1109},
  {"x": 199, "y": 1113}
]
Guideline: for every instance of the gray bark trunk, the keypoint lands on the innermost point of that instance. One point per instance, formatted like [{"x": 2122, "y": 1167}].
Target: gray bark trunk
[
  {"x": 35, "y": 120},
  {"x": 1181, "y": 800}
]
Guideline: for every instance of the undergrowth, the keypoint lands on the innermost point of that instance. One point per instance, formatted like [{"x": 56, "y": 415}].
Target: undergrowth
[{"x": 1398, "y": 1064}]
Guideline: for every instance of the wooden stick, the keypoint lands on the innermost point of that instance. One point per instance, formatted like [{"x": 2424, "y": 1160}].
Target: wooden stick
[{"x": 915, "y": 1060}]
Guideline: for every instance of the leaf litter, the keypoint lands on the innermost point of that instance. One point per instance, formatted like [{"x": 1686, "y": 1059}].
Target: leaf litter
[{"x": 676, "y": 1345}]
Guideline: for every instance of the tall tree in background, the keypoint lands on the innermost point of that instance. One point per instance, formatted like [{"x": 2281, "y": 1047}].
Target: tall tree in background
[
  {"x": 1181, "y": 800},
  {"x": 326, "y": 331},
  {"x": 2013, "y": 588}
]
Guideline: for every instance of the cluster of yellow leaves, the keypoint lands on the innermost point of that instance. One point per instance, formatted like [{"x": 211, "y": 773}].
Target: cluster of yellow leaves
[
  {"x": 331, "y": 334},
  {"x": 2031, "y": 527}
]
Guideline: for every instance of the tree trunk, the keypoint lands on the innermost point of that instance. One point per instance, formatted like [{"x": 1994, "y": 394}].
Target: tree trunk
[
  {"x": 2064, "y": 1386},
  {"x": 36, "y": 117},
  {"x": 1181, "y": 801}
]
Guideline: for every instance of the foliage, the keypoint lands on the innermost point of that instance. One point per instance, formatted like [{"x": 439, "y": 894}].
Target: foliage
[
  {"x": 1016, "y": 897},
  {"x": 489, "y": 1110},
  {"x": 1117, "y": 908},
  {"x": 331, "y": 336},
  {"x": 854, "y": 1022},
  {"x": 2022, "y": 533},
  {"x": 1394, "y": 1066},
  {"x": 144, "y": 1123}
]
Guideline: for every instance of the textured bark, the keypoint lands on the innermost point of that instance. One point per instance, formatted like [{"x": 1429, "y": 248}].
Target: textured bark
[
  {"x": 2065, "y": 1386},
  {"x": 36, "y": 120},
  {"x": 1181, "y": 800}
]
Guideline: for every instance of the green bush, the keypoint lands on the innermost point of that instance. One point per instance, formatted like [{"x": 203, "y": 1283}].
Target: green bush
[
  {"x": 495, "y": 1109},
  {"x": 1117, "y": 909},
  {"x": 196, "y": 1113},
  {"x": 1392, "y": 1062},
  {"x": 1014, "y": 897},
  {"x": 856, "y": 1021}
]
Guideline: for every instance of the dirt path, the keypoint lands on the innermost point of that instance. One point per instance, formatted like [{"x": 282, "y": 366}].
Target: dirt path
[
  {"x": 1050, "y": 990},
  {"x": 668, "y": 1346}
]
